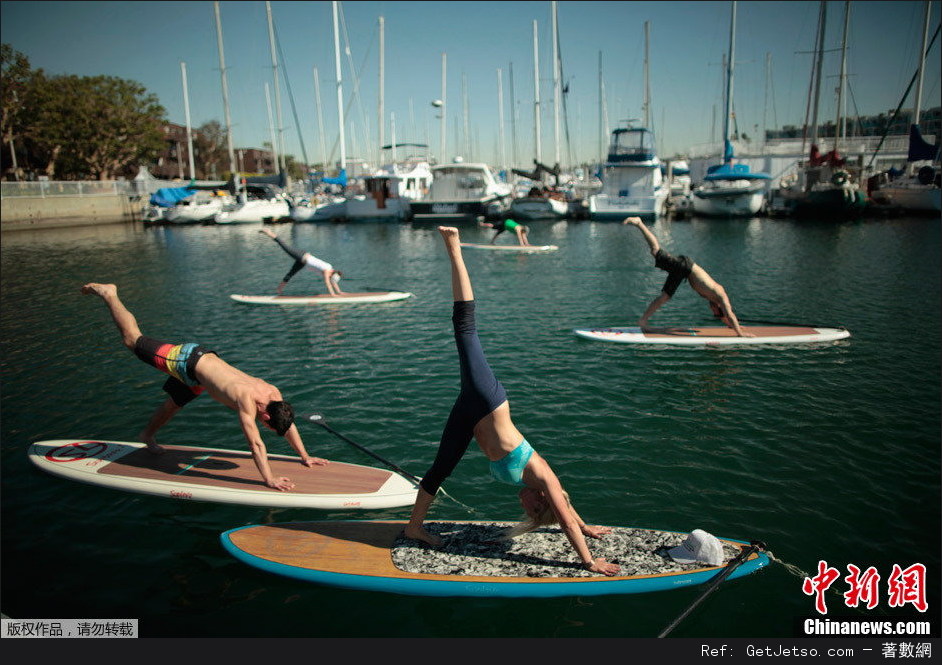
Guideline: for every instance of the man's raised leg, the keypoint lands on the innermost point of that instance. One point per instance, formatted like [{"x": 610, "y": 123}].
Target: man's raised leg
[{"x": 123, "y": 319}]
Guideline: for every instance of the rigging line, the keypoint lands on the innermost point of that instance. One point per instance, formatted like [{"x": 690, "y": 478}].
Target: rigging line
[
  {"x": 356, "y": 82},
  {"x": 903, "y": 100},
  {"x": 354, "y": 96},
  {"x": 294, "y": 109}
]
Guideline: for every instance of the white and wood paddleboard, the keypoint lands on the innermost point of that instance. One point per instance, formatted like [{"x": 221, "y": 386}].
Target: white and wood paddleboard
[
  {"x": 366, "y": 555},
  {"x": 223, "y": 476},
  {"x": 324, "y": 299},
  {"x": 524, "y": 249},
  {"x": 713, "y": 335}
]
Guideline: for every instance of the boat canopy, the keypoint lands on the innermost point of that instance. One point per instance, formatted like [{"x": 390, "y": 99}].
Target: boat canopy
[
  {"x": 634, "y": 144},
  {"x": 733, "y": 172},
  {"x": 339, "y": 180},
  {"x": 167, "y": 197}
]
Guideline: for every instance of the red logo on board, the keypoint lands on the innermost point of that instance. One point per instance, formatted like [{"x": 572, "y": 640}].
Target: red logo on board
[{"x": 73, "y": 452}]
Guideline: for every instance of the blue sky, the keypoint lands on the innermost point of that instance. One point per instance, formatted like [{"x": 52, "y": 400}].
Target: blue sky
[{"x": 146, "y": 41}]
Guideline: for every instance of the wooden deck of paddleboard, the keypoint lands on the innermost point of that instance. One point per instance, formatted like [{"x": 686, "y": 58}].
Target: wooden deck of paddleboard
[
  {"x": 237, "y": 470},
  {"x": 363, "y": 548}
]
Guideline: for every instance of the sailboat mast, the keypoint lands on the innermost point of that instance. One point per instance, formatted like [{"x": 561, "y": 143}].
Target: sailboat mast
[
  {"x": 647, "y": 87},
  {"x": 513, "y": 116},
  {"x": 343, "y": 143},
  {"x": 536, "y": 96},
  {"x": 729, "y": 78},
  {"x": 500, "y": 114},
  {"x": 922, "y": 65},
  {"x": 556, "y": 84},
  {"x": 839, "y": 124},
  {"x": 381, "y": 112},
  {"x": 444, "y": 144},
  {"x": 225, "y": 90},
  {"x": 817, "y": 79},
  {"x": 279, "y": 153},
  {"x": 189, "y": 130},
  {"x": 602, "y": 134},
  {"x": 466, "y": 116},
  {"x": 271, "y": 129},
  {"x": 320, "y": 118}
]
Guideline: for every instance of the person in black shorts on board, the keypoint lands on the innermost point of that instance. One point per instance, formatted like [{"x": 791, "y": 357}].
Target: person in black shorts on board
[{"x": 679, "y": 268}]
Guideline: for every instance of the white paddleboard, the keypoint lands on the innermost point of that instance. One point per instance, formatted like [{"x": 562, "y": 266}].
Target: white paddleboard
[
  {"x": 713, "y": 335},
  {"x": 324, "y": 299},
  {"x": 222, "y": 476},
  {"x": 525, "y": 249}
]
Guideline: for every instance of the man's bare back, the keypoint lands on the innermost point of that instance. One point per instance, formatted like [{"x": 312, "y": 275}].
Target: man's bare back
[{"x": 232, "y": 387}]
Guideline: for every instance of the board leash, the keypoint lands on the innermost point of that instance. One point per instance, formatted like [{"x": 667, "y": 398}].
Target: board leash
[
  {"x": 319, "y": 420},
  {"x": 796, "y": 571}
]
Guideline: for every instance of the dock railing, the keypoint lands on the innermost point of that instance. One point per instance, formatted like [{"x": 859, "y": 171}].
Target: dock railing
[{"x": 41, "y": 189}]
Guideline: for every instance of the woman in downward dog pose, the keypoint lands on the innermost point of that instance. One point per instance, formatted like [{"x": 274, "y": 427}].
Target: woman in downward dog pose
[
  {"x": 330, "y": 274},
  {"x": 483, "y": 412}
]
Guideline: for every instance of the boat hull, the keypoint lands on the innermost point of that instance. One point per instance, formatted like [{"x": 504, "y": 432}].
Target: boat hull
[
  {"x": 728, "y": 201},
  {"x": 537, "y": 208}
]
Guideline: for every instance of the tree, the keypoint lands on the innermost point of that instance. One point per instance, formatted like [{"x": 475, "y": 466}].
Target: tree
[
  {"x": 118, "y": 123},
  {"x": 15, "y": 83},
  {"x": 211, "y": 150}
]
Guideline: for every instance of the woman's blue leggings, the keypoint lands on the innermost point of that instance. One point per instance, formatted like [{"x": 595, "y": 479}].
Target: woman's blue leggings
[{"x": 480, "y": 394}]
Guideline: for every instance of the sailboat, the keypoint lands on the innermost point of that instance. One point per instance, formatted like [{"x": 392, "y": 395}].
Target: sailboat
[
  {"x": 728, "y": 189},
  {"x": 918, "y": 190},
  {"x": 336, "y": 208},
  {"x": 540, "y": 203},
  {"x": 390, "y": 189},
  {"x": 825, "y": 186},
  {"x": 632, "y": 182}
]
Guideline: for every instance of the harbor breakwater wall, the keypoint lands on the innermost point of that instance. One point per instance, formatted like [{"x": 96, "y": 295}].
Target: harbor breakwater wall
[{"x": 25, "y": 212}]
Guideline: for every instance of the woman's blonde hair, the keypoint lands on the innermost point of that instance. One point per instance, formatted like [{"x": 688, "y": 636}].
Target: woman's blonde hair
[{"x": 544, "y": 516}]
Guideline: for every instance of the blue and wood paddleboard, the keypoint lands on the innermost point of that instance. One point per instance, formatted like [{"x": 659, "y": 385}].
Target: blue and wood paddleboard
[{"x": 360, "y": 555}]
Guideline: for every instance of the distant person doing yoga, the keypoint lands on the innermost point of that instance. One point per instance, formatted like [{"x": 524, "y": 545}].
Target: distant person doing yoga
[
  {"x": 483, "y": 412},
  {"x": 193, "y": 369},
  {"x": 509, "y": 225},
  {"x": 679, "y": 268},
  {"x": 331, "y": 276}
]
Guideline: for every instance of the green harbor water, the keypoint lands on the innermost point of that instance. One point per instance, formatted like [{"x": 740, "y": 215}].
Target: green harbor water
[{"x": 824, "y": 452}]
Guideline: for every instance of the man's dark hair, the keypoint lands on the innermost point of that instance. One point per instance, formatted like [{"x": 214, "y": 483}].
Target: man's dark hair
[{"x": 281, "y": 416}]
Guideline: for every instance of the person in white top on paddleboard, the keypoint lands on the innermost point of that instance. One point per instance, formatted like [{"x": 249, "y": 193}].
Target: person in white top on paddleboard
[
  {"x": 192, "y": 370},
  {"x": 482, "y": 412},
  {"x": 678, "y": 269},
  {"x": 331, "y": 276}
]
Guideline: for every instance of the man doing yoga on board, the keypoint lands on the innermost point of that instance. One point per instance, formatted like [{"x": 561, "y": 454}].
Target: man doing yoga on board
[
  {"x": 331, "y": 276},
  {"x": 483, "y": 412},
  {"x": 679, "y": 268},
  {"x": 193, "y": 369}
]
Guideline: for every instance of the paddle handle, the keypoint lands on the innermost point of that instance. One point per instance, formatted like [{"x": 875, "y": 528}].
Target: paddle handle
[
  {"x": 320, "y": 421},
  {"x": 744, "y": 554}
]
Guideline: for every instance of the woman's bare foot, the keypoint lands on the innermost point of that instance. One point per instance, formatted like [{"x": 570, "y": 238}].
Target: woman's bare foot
[
  {"x": 268, "y": 232},
  {"x": 418, "y": 533},
  {"x": 102, "y": 290}
]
